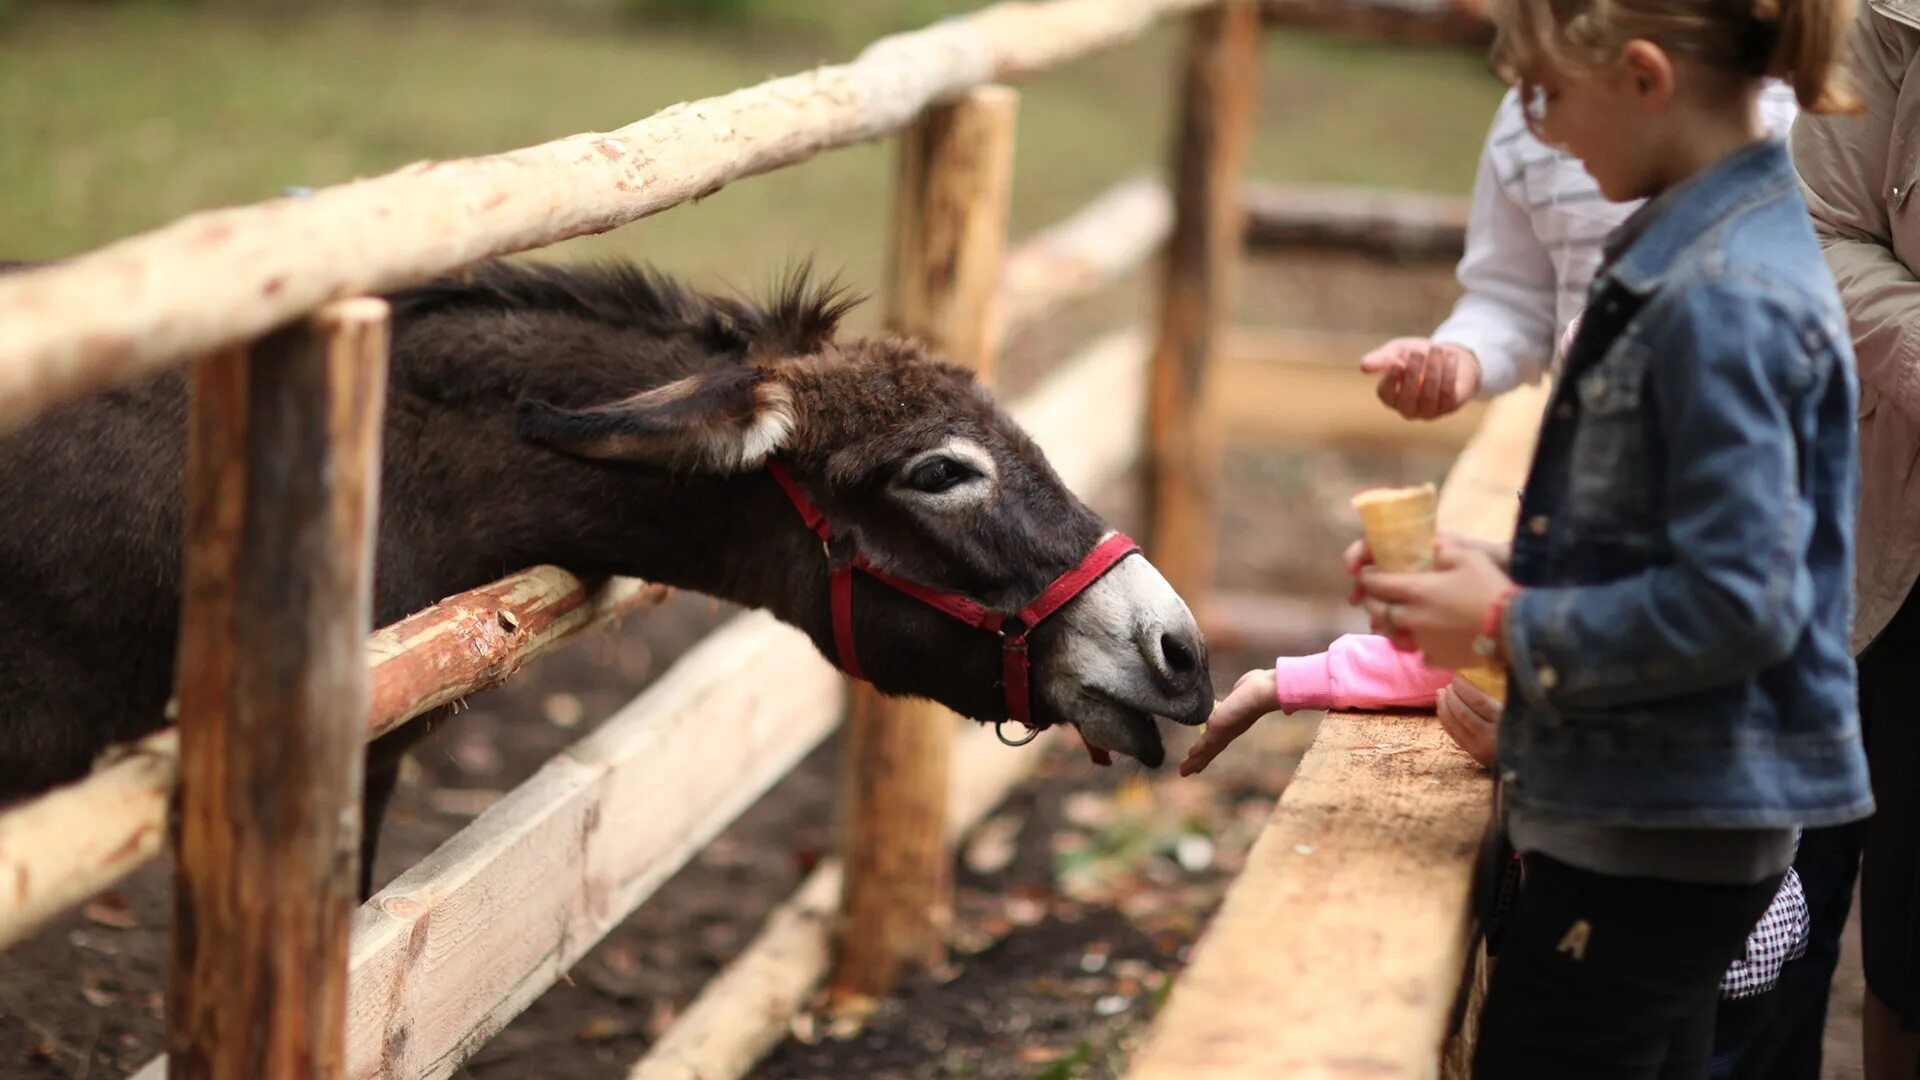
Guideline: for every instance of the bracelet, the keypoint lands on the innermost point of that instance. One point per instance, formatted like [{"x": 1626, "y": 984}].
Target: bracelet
[{"x": 1487, "y": 645}]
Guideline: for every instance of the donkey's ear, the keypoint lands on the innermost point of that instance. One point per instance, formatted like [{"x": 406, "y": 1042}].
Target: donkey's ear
[{"x": 723, "y": 422}]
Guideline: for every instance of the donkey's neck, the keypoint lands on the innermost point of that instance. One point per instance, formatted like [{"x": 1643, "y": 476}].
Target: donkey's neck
[{"x": 470, "y": 501}]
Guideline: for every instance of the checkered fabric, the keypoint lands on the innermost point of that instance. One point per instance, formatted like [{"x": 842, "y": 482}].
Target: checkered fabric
[{"x": 1780, "y": 936}]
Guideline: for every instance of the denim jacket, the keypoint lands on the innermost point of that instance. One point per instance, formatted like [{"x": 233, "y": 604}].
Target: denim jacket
[{"x": 1680, "y": 656}]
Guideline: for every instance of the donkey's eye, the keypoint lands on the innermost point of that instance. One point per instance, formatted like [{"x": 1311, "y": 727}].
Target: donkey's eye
[{"x": 940, "y": 475}]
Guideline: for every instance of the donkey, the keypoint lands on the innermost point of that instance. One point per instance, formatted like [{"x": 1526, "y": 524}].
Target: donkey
[{"x": 612, "y": 421}]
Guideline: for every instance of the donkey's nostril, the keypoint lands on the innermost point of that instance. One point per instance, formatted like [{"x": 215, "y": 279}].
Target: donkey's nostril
[{"x": 1181, "y": 659}]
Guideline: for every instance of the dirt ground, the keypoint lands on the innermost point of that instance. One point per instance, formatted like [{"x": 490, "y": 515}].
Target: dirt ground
[{"x": 1077, "y": 901}]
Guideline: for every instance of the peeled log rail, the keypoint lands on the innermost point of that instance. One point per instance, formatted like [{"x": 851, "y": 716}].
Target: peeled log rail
[
  {"x": 457, "y": 946},
  {"x": 226, "y": 276},
  {"x": 1340, "y": 946},
  {"x": 1106, "y": 240},
  {"x": 1435, "y": 22},
  {"x": 1401, "y": 224},
  {"x": 69, "y": 844}
]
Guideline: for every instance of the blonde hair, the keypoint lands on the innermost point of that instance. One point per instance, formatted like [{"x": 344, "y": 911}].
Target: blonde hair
[{"x": 1803, "y": 42}]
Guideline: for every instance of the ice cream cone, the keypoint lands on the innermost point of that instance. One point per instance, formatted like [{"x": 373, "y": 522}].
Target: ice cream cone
[
  {"x": 1399, "y": 524},
  {"x": 1492, "y": 680}
]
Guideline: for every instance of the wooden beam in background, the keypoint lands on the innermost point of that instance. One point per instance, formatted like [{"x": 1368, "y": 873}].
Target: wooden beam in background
[{"x": 1220, "y": 82}]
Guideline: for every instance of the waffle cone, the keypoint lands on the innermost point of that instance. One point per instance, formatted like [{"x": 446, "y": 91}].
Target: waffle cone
[
  {"x": 1492, "y": 680},
  {"x": 1399, "y": 525}
]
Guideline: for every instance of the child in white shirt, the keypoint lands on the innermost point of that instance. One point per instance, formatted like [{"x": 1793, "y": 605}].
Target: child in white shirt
[{"x": 1533, "y": 243}]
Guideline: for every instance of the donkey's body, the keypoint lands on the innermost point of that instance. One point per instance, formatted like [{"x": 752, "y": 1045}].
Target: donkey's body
[{"x": 613, "y": 423}]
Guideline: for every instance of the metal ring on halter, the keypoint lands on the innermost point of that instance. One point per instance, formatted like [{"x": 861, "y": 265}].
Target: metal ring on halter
[{"x": 1000, "y": 732}]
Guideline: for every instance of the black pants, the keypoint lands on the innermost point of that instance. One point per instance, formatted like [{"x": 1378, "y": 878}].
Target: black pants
[{"x": 1610, "y": 978}]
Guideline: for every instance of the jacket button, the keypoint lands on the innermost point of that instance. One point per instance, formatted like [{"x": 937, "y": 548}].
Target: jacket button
[
  {"x": 1509, "y": 777},
  {"x": 1538, "y": 524},
  {"x": 1549, "y": 679},
  {"x": 1564, "y": 412}
]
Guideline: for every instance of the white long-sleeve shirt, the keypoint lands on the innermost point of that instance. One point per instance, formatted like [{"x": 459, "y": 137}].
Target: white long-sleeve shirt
[{"x": 1534, "y": 237}]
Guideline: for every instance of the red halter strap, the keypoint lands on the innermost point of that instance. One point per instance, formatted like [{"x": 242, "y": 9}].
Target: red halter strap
[{"x": 1013, "y": 630}]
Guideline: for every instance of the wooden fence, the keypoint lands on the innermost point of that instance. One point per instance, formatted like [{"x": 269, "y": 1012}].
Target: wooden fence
[{"x": 274, "y": 974}]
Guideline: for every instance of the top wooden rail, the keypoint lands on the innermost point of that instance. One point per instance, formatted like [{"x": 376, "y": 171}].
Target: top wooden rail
[
  {"x": 225, "y": 276},
  {"x": 1341, "y": 946},
  {"x": 1427, "y": 22}
]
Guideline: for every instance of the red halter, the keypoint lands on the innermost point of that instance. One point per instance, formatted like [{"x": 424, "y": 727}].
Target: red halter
[{"x": 1012, "y": 629}]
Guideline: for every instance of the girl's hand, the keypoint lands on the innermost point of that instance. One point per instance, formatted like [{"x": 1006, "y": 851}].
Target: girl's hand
[
  {"x": 1253, "y": 697},
  {"x": 1471, "y": 717},
  {"x": 1440, "y": 611},
  {"x": 1422, "y": 379}
]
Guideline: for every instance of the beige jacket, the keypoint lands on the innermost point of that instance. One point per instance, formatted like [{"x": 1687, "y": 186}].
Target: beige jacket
[{"x": 1859, "y": 174}]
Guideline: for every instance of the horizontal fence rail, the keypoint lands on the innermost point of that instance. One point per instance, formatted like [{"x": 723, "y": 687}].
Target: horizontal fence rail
[
  {"x": 226, "y": 276},
  {"x": 69, "y": 844}
]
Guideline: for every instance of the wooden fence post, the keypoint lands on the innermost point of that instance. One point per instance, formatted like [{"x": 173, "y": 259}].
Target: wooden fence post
[
  {"x": 949, "y": 241},
  {"x": 1221, "y": 74},
  {"x": 283, "y": 476}
]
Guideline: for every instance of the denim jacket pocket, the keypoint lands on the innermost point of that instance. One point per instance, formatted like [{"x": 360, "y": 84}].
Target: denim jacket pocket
[{"x": 1610, "y": 486}]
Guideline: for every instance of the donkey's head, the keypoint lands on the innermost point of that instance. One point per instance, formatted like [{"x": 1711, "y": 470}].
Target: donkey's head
[{"x": 917, "y": 473}]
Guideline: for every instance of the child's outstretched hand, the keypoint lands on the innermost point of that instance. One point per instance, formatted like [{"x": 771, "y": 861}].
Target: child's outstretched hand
[
  {"x": 1422, "y": 379},
  {"x": 1252, "y": 697}
]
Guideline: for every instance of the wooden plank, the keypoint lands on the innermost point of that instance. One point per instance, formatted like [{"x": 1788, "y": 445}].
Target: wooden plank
[
  {"x": 465, "y": 940},
  {"x": 456, "y": 947},
  {"x": 283, "y": 481},
  {"x": 1316, "y": 406},
  {"x": 949, "y": 245},
  {"x": 1220, "y": 83},
  {"x": 1338, "y": 951},
  {"x": 225, "y": 276},
  {"x": 67, "y": 845},
  {"x": 1338, "y": 948},
  {"x": 1402, "y": 225},
  {"x": 1481, "y": 497},
  {"x": 746, "y": 1010}
]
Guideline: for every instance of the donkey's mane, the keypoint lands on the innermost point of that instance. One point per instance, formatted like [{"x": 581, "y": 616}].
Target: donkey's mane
[{"x": 800, "y": 316}]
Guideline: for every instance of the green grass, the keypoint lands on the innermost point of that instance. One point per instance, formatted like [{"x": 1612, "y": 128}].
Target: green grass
[{"x": 115, "y": 119}]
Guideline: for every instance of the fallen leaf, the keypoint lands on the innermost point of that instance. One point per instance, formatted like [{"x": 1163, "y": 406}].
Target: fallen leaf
[
  {"x": 476, "y": 754},
  {"x": 602, "y": 1028},
  {"x": 1194, "y": 853},
  {"x": 563, "y": 710},
  {"x": 994, "y": 844},
  {"x": 110, "y": 909}
]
